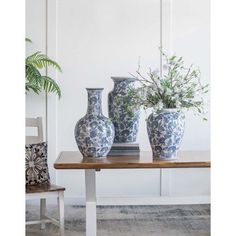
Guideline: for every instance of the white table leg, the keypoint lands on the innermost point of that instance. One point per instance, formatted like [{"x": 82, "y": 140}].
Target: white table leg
[
  {"x": 42, "y": 212},
  {"x": 91, "y": 218}
]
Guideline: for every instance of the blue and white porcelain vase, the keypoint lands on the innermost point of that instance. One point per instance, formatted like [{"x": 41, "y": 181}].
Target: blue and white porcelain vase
[
  {"x": 126, "y": 123},
  {"x": 165, "y": 131},
  {"x": 94, "y": 133}
]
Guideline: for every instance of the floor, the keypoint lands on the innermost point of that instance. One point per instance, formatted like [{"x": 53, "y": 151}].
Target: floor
[{"x": 178, "y": 220}]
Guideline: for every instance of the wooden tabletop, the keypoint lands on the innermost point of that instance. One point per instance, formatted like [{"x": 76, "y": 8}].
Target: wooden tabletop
[{"x": 186, "y": 159}]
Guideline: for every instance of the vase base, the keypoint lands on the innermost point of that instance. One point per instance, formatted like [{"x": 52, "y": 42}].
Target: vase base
[
  {"x": 95, "y": 157},
  {"x": 168, "y": 157},
  {"x": 124, "y": 149}
]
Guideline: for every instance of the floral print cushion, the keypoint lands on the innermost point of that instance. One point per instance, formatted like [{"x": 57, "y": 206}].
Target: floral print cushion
[{"x": 36, "y": 167}]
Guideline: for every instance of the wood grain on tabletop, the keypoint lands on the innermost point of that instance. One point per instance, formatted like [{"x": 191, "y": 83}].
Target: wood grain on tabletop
[{"x": 186, "y": 159}]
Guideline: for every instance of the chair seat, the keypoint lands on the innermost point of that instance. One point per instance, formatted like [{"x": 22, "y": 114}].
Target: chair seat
[{"x": 42, "y": 188}]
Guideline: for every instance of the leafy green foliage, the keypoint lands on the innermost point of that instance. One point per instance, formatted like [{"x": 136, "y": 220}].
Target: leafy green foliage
[
  {"x": 177, "y": 87},
  {"x": 34, "y": 80}
]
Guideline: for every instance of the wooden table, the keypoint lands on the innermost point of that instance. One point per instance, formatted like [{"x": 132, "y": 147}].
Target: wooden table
[{"x": 74, "y": 160}]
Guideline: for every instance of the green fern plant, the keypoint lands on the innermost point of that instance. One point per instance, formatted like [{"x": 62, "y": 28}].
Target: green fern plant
[{"x": 34, "y": 80}]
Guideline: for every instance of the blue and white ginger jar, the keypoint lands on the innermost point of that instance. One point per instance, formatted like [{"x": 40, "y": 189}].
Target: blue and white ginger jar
[
  {"x": 126, "y": 123},
  {"x": 165, "y": 131},
  {"x": 94, "y": 133}
]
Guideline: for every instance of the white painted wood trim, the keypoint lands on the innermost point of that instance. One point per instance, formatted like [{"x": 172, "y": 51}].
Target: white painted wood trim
[
  {"x": 141, "y": 200},
  {"x": 167, "y": 26},
  {"x": 165, "y": 182},
  {"x": 161, "y": 36},
  {"x": 153, "y": 200},
  {"x": 166, "y": 29},
  {"x": 52, "y": 99},
  {"x": 134, "y": 200}
]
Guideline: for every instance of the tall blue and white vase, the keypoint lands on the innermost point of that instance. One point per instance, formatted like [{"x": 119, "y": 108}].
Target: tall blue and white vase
[
  {"x": 94, "y": 133},
  {"x": 126, "y": 123},
  {"x": 165, "y": 131}
]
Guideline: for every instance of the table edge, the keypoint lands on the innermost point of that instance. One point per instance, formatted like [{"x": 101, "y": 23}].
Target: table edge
[{"x": 158, "y": 165}]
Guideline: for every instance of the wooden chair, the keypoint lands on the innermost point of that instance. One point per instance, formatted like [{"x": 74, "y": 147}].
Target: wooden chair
[{"x": 44, "y": 191}]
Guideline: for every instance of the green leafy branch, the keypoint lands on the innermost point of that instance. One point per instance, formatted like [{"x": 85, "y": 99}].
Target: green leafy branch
[
  {"x": 178, "y": 87},
  {"x": 34, "y": 80}
]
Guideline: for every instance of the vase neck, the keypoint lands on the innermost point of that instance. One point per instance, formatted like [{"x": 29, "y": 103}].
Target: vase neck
[{"x": 94, "y": 101}]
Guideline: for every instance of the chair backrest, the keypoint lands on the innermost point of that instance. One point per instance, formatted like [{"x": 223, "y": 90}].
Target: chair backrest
[{"x": 38, "y": 123}]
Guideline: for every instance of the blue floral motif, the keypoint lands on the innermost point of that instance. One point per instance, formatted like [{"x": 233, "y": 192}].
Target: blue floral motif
[
  {"x": 126, "y": 124},
  {"x": 165, "y": 130},
  {"x": 94, "y": 133}
]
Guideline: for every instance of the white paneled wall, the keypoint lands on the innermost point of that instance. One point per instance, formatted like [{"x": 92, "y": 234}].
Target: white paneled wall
[{"x": 98, "y": 39}]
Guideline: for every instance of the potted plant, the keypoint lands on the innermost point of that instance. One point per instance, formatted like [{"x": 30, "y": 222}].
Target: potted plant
[
  {"x": 178, "y": 88},
  {"x": 34, "y": 80}
]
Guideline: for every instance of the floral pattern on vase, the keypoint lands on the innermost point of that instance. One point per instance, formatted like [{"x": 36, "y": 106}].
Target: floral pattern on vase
[
  {"x": 165, "y": 131},
  {"x": 126, "y": 124},
  {"x": 94, "y": 133}
]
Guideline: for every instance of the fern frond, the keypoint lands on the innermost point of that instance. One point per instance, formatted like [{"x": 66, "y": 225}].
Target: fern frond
[
  {"x": 34, "y": 80},
  {"x": 40, "y": 61},
  {"x": 30, "y": 86},
  {"x": 49, "y": 85},
  {"x": 31, "y": 73}
]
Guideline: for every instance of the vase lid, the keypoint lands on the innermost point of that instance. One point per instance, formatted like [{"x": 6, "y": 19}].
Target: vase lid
[{"x": 119, "y": 78}]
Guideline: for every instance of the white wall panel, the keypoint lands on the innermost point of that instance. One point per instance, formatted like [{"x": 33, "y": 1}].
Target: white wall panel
[
  {"x": 191, "y": 39},
  {"x": 139, "y": 182},
  {"x": 190, "y": 182},
  {"x": 96, "y": 40}
]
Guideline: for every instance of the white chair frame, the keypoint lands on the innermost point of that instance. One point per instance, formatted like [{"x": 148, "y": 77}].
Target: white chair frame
[{"x": 37, "y": 122}]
